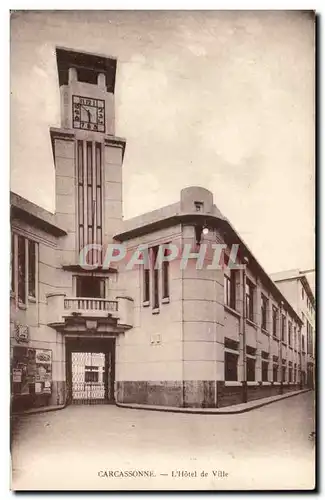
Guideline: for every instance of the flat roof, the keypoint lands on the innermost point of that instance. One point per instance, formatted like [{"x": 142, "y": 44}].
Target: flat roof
[{"x": 34, "y": 215}]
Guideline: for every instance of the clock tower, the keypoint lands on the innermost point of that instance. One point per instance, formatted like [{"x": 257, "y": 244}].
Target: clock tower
[{"x": 88, "y": 156}]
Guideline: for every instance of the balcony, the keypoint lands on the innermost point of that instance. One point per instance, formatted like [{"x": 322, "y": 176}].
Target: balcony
[{"x": 62, "y": 309}]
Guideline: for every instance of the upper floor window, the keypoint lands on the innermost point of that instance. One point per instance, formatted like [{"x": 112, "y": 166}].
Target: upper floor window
[
  {"x": 23, "y": 268},
  {"x": 146, "y": 286},
  {"x": 264, "y": 311},
  {"x": 249, "y": 300},
  {"x": 12, "y": 264},
  {"x": 230, "y": 289},
  {"x": 274, "y": 320},
  {"x": 154, "y": 273},
  {"x": 165, "y": 276},
  {"x": 283, "y": 328},
  {"x": 289, "y": 333},
  {"x": 31, "y": 268},
  {"x": 90, "y": 287},
  {"x": 198, "y": 206}
]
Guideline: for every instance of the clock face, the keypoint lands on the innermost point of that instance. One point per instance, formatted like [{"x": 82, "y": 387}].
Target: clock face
[{"x": 88, "y": 113}]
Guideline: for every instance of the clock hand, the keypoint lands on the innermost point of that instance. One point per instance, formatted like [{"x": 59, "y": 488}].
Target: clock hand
[{"x": 88, "y": 113}]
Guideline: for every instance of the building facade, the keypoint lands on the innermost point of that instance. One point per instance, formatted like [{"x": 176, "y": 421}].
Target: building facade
[
  {"x": 171, "y": 335},
  {"x": 295, "y": 286}
]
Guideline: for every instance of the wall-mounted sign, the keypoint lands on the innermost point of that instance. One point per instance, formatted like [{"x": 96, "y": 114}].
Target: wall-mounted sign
[{"x": 21, "y": 333}]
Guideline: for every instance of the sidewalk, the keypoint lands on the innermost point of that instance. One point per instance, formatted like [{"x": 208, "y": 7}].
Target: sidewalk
[{"x": 227, "y": 410}]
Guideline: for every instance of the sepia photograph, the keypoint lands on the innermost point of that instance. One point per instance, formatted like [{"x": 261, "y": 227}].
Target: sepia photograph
[{"x": 162, "y": 250}]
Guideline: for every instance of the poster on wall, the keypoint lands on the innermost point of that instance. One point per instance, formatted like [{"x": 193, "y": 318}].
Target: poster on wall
[
  {"x": 43, "y": 361},
  {"x": 31, "y": 371}
]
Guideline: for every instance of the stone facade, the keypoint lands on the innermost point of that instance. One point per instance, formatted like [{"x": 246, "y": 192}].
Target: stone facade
[{"x": 171, "y": 336}]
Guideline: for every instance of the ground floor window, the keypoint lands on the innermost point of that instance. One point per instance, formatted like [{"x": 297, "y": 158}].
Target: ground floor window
[
  {"x": 265, "y": 366},
  {"x": 275, "y": 372},
  {"x": 265, "y": 369},
  {"x": 283, "y": 373},
  {"x": 231, "y": 366},
  {"x": 250, "y": 363}
]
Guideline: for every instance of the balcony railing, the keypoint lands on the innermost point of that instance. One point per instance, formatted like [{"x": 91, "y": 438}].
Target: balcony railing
[
  {"x": 62, "y": 308},
  {"x": 90, "y": 304}
]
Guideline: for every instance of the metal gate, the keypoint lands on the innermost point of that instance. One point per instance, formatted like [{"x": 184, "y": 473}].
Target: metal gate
[{"x": 90, "y": 377}]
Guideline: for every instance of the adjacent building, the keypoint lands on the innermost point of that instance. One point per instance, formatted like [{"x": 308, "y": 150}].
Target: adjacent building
[
  {"x": 171, "y": 335},
  {"x": 296, "y": 287}
]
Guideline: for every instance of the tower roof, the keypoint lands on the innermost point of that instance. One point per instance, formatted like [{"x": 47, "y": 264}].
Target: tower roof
[{"x": 88, "y": 66}]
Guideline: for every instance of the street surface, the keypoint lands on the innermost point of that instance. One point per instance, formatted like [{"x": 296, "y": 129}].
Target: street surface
[{"x": 77, "y": 447}]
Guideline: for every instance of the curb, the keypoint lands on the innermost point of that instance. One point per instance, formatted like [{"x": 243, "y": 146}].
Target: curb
[
  {"x": 172, "y": 409},
  {"x": 207, "y": 411},
  {"x": 45, "y": 409}
]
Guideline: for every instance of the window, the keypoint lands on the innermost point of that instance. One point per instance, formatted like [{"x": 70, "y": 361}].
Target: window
[
  {"x": 290, "y": 333},
  {"x": 12, "y": 264},
  {"x": 302, "y": 342},
  {"x": 146, "y": 285},
  {"x": 31, "y": 268},
  {"x": 91, "y": 374},
  {"x": 155, "y": 288},
  {"x": 274, "y": 320},
  {"x": 198, "y": 206},
  {"x": 230, "y": 289},
  {"x": 265, "y": 366},
  {"x": 249, "y": 300},
  {"x": 165, "y": 276},
  {"x": 309, "y": 338},
  {"x": 295, "y": 340},
  {"x": 295, "y": 373},
  {"x": 23, "y": 267},
  {"x": 81, "y": 194},
  {"x": 90, "y": 286},
  {"x": 21, "y": 270},
  {"x": 264, "y": 310},
  {"x": 89, "y": 209},
  {"x": 231, "y": 366},
  {"x": 275, "y": 368},
  {"x": 290, "y": 371},
  {"x": 283, "y": 328},
  {"x": 283, "y": 370},
  {"x": 250, "y": 363},
  {"x": 231, "y": 360},
  {"x": 302, "y": 293}
]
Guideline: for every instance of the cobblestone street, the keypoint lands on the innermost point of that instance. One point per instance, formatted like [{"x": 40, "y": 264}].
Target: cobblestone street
[{"x": 267, "y": 448}]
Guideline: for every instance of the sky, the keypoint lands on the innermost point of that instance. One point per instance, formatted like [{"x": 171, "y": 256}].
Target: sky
[{"x": 219, "y": 99}]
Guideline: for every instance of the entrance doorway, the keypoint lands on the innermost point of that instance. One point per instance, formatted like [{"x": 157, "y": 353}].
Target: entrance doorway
[{"x": 90, "y": 370}]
